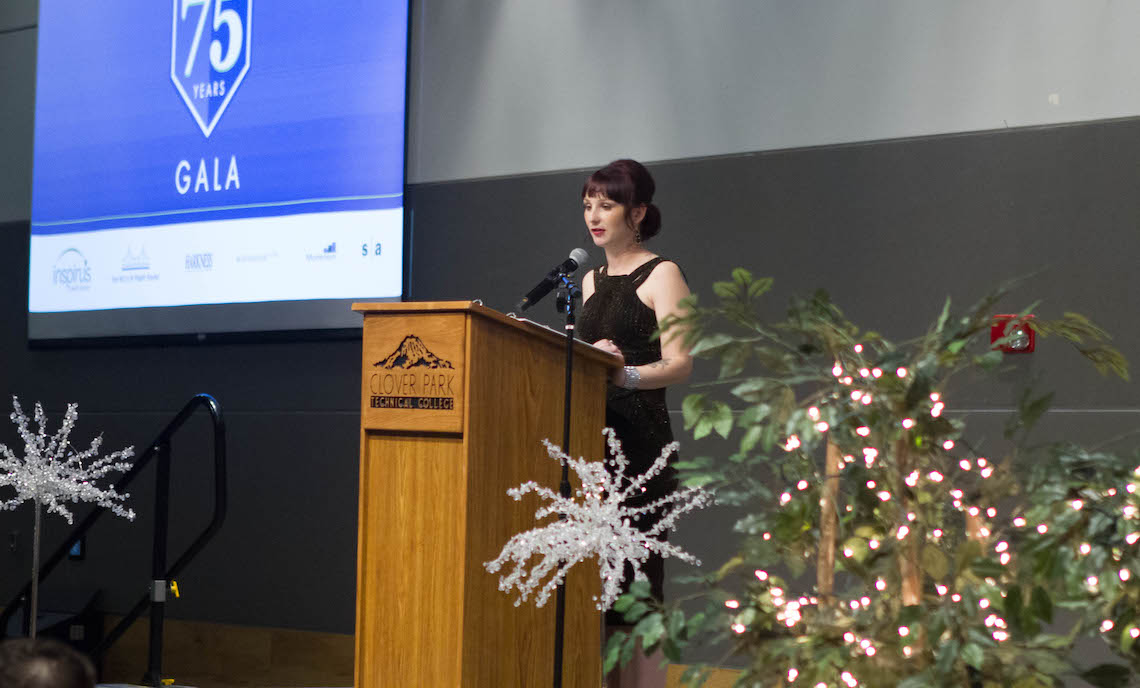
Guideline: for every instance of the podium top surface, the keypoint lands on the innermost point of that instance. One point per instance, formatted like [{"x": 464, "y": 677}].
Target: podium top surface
[{"x": 522, "y": 324}]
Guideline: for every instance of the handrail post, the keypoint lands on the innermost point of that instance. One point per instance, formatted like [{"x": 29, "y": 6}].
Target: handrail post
[{"x": 159, "y": 583}]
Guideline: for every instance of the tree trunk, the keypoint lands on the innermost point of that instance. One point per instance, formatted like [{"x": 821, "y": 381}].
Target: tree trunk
[
  {"x": 828, "y": 527},
  {"x": 910, "y": 564},
  {"x": 33, "y": 603}
]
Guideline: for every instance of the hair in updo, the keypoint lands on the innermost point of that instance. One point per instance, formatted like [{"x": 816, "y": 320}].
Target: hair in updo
[{"x": 627, "y": 182}]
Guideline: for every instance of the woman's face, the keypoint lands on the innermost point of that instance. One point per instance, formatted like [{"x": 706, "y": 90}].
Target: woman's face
[{"x": 607, "y": 222}]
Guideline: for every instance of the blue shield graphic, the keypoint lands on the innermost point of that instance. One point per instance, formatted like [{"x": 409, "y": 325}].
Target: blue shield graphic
[{"x": 209, "y": 55}]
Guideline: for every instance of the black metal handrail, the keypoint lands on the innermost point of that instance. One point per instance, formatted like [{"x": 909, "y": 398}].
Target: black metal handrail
[{"x": 161, "y": 575}]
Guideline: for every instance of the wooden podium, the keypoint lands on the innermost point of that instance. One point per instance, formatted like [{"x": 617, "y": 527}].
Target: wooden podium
[{"x": 455, "y": 400}]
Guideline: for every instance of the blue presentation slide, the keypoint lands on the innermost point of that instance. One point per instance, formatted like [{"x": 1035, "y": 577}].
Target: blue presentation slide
[{"x": 217, "y": 151}]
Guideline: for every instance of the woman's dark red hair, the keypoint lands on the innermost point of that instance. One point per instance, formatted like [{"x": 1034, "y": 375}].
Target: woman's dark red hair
[{"x": 627, "y": 182}]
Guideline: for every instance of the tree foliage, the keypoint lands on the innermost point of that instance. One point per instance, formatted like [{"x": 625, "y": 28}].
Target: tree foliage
[{"x": 948, "y": 568}]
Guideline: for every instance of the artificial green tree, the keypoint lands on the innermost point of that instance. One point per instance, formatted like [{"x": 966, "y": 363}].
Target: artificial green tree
[{"x": 934, "y": 565}]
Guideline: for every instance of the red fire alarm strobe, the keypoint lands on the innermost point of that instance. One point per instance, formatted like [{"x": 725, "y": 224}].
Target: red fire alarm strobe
[{"x": 1018, "y": 331}]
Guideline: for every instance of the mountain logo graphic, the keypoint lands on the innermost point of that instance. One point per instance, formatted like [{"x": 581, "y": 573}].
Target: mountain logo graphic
[{"x": 412, "y": 353}]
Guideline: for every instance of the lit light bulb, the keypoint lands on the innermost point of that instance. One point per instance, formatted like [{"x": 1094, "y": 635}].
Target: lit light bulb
[
  {"x": 802, "y": 485},
  {"x": 1019, "y": 522},
  {"x": 1042, "y": 528},
  {"x": 903, "y": 530},
  {"x": 880, "y": 585},
  {"x": 1076, "y": 504},
  {"x": 901, "y": 372},
  {"x": 934, "y": 476},
  {"x": 1085, "y": 548},
  {"x": 862, "y": 431},
  {"x": 876, "y": 373},
  {"x": 738, "y": 628},
  {"x": 873, "y": 544},
  {"x": 885, "y": 496},
  {"x": 1106, "y": 626},
  {"x": 732, "y": 604},
  {"x": 762, "y": 575},
  {"x": 908, "y": 423},
  {"x": 948, "y": 445}
]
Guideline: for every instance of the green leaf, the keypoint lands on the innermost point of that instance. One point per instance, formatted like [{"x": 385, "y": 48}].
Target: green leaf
[
  {"x": 636, "y": 611},
  {"x": 934, "y": 562},
  {"x": 989, "y": 360},
  {"x": 973, "y": 655},
  {"x": 741, "y": 276},
  {"x": 1013, "y": 603},
  {"x": 967, "y": 552},
  {"x": 986, "y": 567},
  {"x": 692, "y": 408},
  {"x": 649, "y": 629},
  {"x": 751, "y": 438},
  {"x": 613, "y": 650},
  {"x": 641, "y": 589},
  {"x": 1126, "y": 639},
  {"x": 760, "y": 286},
  {"x": 695, "y": 624},
  {"x": 1041, "y": 604},
  {"x": 947, "y": 654},
  {"x": 1032, "y": 410},
  {"x": 703, "y": 428},
  {"x": 722, "y": 419},
  {"x": 910, "y": 614},
  {"x": 923, "y": 680},
  {"x": 623, "y": 603},
  {"x": 726, "y": 291},
  {"x": 955, "y": 346},
  {"x": 943, "y": 317},
  {"x": 1108, "y": 675},
  {"x": 710, "y": 344}
]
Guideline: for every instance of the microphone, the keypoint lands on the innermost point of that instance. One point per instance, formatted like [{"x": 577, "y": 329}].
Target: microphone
[{"x": 576, "y": 259}]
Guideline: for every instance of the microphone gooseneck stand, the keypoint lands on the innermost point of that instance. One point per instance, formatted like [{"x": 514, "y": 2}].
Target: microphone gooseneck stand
[{"x": 568, "y": 293}]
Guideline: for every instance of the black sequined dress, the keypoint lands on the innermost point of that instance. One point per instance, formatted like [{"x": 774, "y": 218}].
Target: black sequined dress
[{"x": 640, "y": 418}]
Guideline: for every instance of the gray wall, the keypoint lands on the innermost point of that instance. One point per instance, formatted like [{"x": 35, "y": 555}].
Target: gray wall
[
  {"x": 504, "y": 87},
  {"x": 889, "y": 227}
]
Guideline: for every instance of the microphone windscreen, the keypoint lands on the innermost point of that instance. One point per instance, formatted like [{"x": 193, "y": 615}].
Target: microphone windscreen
[{"x": 579, "y": 256}]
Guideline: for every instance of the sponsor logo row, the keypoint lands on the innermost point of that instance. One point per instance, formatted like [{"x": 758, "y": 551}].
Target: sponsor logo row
[{"x": 74, "y": 272}]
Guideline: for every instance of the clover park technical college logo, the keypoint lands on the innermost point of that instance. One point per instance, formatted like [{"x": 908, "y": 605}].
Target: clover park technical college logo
[
  {"x": 399, "y": 385},
  {"x": 209, "y": 54}
]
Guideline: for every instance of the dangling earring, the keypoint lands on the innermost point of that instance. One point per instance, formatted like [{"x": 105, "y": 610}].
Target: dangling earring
[{"x": 637, "y": 234}]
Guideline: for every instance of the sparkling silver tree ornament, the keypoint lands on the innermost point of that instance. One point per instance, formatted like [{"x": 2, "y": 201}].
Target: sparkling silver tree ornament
[
  {"x": 593, "y": 522},
  {"x": 52, "y": 474}
]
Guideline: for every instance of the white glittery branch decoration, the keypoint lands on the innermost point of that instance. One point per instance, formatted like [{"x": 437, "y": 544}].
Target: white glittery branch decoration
[
  {"x": 53, "y": 474},
  {"x": 594, "y": 523}
]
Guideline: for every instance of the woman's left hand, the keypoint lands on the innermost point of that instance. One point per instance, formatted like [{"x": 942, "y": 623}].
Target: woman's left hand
[{"x": 618, "y": 374}]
